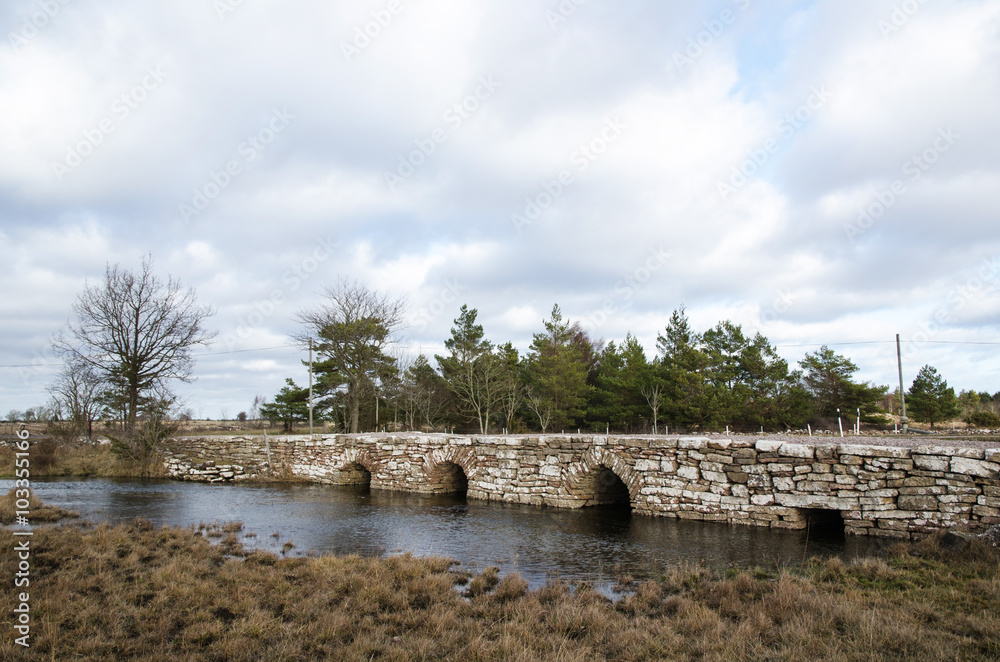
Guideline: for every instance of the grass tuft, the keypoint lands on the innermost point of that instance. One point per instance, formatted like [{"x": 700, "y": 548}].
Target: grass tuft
[{"x": 37, "y": 511}]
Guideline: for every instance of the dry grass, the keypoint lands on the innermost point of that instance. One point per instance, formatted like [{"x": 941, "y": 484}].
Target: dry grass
[
  {"x": 49, "y": 459},
  {"x": 38, "y": 511},
  {"x": 165, "y": 594}
]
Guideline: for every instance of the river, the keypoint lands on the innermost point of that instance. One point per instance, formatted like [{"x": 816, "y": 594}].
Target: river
[{"x": 596, "y": 545}]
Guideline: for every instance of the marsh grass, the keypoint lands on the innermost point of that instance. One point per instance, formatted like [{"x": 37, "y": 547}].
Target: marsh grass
[
  {"x": 48, "y": 458},
  {"x": 38, "y": 511},
  {"x": 137, "y": 591}
]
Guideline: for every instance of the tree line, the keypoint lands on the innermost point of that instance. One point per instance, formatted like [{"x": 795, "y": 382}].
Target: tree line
[
  {"x": 133, "y": 334},
  {"x": 714, "y": 379}
]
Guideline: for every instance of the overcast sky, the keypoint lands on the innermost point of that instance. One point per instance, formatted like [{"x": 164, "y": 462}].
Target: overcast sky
[{"x": 824, "y": 172}]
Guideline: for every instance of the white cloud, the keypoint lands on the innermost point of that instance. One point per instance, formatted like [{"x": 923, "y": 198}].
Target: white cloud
[{"x": 314, "y": 204}]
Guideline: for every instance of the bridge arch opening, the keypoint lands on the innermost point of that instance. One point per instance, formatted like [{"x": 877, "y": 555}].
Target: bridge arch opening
[
  {"x": 823, "y": 523},
  {"x": 355, "y": 473},
  {"x": 447, "y": 478},
  {"x": 603, "y": 487}
]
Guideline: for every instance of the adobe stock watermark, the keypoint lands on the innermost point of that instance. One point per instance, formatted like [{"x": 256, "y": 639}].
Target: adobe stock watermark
[
  {"x": 553, "y": 189},
  {"x": 769, "y": 314},
  {"x": 984, "y": 281},
  {"x": 563, "y": 11},
  {"x": 784, "y": 128},
  {"x": 41, "y": 363},
  {"x": 448, "y": 295},
  {"x": 248, "y": 150},
  {"x": 224, "y": 8},
  {"x": 912, "y": 170},
  {"x": 456, "y": 115},
  {"x": 121, "y": 109},
  {"x": 900, "y": 16},
  {"x": 714, "y": 28},
  {"x": 365, "y": 34},
  {"x": 626, "y": 288},
  {"x": 291, "y": 281},
  {"x": 34, "y": 22}
]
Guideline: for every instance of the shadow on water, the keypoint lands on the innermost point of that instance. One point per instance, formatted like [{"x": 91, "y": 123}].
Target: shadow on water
[{"x": 595, "y": 544}]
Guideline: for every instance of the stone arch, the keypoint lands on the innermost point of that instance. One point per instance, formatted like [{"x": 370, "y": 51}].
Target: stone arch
[
  {"x": 356, "y": 468},
  {"x": 602, "y": 478},
  {"x": 449, "y": 470}
]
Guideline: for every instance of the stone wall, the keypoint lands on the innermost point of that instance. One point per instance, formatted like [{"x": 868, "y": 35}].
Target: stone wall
[{"x": 877, "y": 490}]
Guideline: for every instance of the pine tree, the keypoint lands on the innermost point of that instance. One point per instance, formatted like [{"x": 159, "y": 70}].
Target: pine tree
[
  {"x": 930, "y": 399},
  {"x": 291, "y": 404},
  {"x": 473, "y": 372},
  {"x": 558, "y": 372}
]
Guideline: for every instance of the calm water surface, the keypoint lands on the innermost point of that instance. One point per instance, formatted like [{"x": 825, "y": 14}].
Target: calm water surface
[{"x": 597, "y": 545}]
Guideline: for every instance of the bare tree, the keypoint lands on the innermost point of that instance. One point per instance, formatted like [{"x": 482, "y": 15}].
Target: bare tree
[
  {"x": 136, "y": 330},
  {"x": 350, "y": 332},
  {"x": 258, "y": 402},
  {"x": 652, "y": 394},
  {"x": 77, "y": 391},
  {"x": 542, "y": 410}
]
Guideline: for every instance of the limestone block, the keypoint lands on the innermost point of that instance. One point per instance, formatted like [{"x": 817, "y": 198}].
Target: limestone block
[
  {"x": 762, "y": 499},
  {"x": 949, "y": 451},
  {"x": 663, "y": 443},
  {"x": 737, "y": 477},
  {"x": 913, "y": 502},
  {"x": 797, "y": 451},
  {"x": 922, "y": 491},
  {"x": 864, "y": 450},
  {"x": 715, "y": 476},
  {"x": 766, "y": 446},
  {"x": 692, "y": 442},
  {"x": 691, "y": 473},
  {"x": 815, "y": 501},
  {"x": 821, "y": 478},
  {"x": 971, "y": 467},
  {"x": 784, "y": 484}
]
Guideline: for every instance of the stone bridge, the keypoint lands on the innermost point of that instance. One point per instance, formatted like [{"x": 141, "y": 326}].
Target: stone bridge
[{"x": 868, "y": 489}]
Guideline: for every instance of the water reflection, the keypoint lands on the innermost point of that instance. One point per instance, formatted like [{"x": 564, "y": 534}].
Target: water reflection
[{"x": 593, "y": 544}]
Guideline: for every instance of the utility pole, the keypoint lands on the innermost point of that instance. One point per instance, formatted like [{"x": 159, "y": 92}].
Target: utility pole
[
  {"x": 310, "y": 387},
  {"x": 905, "y": 422}
]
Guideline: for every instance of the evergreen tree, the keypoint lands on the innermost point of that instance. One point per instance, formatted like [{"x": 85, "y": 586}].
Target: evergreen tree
[
  {"x": 623, "y": 374},
  {"x": 473, "y": 372},
  {"x": 558, "y": 372},
  {"x": 690, "y": 400},
  {"x": 829, "y": 379},
  {"x": 290, "y": 405},
  {"x": 930, "y": 399}
]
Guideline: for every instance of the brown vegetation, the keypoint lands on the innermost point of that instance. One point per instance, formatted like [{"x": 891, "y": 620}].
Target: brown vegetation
[
  {"x": 161, "y": 594},
  {"x": 38, "y": 512},
  {"x": 49, "y": 458}
]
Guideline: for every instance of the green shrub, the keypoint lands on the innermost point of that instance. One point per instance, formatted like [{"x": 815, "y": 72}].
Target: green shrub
[{"x": 983, "y": 419}]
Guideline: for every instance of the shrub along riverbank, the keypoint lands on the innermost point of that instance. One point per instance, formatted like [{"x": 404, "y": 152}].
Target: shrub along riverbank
[
  {"x": 123, "y": 592},
  {"x": 50, "y": 458}
]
